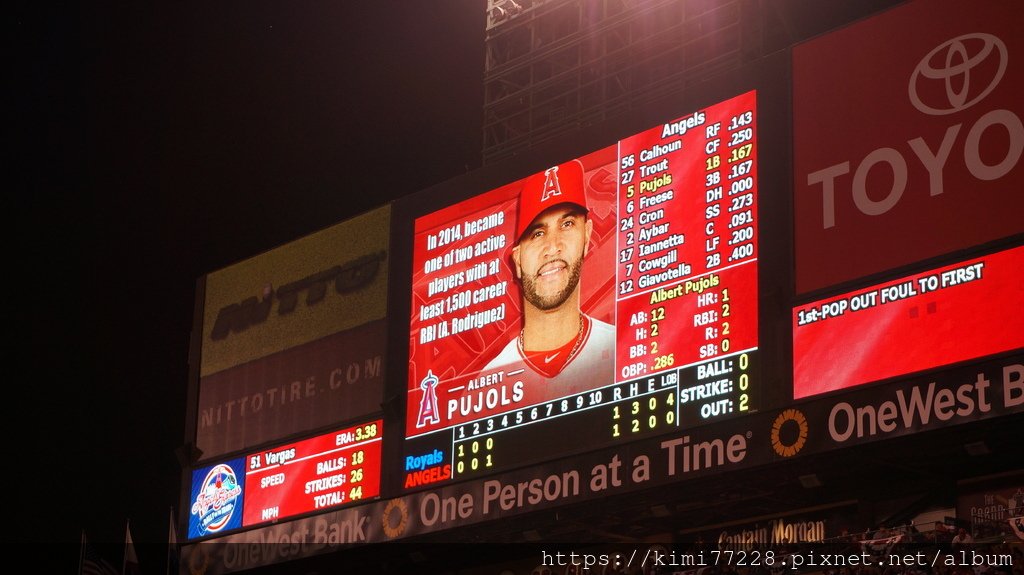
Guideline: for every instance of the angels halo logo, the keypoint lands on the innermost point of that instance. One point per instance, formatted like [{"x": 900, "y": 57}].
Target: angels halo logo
[{"x": 217, "y": 499}]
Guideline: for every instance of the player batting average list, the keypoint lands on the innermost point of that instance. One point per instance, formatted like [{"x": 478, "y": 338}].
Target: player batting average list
[{"x": 687, "y": 289}]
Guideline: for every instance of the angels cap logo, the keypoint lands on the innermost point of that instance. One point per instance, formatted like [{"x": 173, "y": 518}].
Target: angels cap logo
[
  {"x": 953, "y": 63},
  {"x": 217, "y": 499},
  {"x": 551, "y": 187}
]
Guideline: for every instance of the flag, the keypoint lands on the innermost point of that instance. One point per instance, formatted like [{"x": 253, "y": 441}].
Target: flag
[
  {"x": 91, "y": 563},
  {"x": 1017, "y": 524},
  {"x": 881, "y": 545},
  {"x": 172, "y": 547},
  {"x": 131, "y": 560}
]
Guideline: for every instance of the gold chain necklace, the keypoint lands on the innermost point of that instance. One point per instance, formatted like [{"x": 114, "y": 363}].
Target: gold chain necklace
[{"x": 575, "y": 346}]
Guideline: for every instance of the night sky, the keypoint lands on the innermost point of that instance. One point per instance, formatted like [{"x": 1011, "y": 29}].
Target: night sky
[{"x": 163, "y": 141}]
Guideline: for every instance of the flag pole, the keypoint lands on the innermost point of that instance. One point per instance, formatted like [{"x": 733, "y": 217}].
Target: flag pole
[
  {"x": 81, "y": 553},
  {"x": 172, "y": 542},
  {"x": 131, "y": 558},
  {"x": 127, "y": 538}
]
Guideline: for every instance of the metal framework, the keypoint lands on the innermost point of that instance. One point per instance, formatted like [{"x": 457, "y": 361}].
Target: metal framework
[{"x": 553, "y": 66}]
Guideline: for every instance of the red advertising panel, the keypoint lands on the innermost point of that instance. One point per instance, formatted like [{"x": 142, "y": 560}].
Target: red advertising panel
[
  {"x": 913, "y": 159},
  {"x": 294, "y": 339},
  {"x": 596, "y": 301},
  {"x": 322, "y": 472},
  {"x": 954, "y": 313}
]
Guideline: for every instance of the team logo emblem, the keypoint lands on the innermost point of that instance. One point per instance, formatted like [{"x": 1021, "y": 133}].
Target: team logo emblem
[
  {"x": 789, "y": 441},
  {"x": 428, "y": 403},
  {"x": 551, "y": 187},
  {"x": 396, "y": 518},
  {"x": 950, "y": 65},
  {"x": 217, "y": 499}
]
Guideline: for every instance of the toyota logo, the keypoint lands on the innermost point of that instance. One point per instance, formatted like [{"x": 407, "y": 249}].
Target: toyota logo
[{"x": 952, "y": 63}]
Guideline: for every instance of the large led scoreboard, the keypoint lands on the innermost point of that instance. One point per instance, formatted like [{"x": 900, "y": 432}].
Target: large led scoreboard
[
  {"x": 913, "y": 323},
  {"x": 317, "y": 473},
  {"x": 663, "y": 324},
  {"x": 292, "y": 352},
  {"x": 332, "y": 470},
  {"x": 655, "y": 290},
  {"x": 667, "y": 299}
]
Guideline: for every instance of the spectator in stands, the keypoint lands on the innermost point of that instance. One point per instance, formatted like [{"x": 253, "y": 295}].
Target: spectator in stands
[
  {"x": 941, "y": 536},
  {"x": 963, "y": 539}
]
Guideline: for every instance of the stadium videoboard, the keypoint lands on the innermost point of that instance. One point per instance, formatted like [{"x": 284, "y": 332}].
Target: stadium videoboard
[
  {"x": 954, "y": 313},
  {"x": 665, "y": 271},
  {"x": 603, "y": 299},
  {"x": 921, "y": 157},
  {"x": 922, "y": 169},
  {"x": 321, "y": 472},
  {"x": 328, "y": 471}
]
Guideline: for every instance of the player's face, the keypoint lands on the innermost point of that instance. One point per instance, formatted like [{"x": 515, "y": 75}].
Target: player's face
[{"x": 550, "y": 256}]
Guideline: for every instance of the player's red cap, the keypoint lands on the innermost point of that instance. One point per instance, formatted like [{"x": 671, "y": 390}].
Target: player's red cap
[{"x": 561, "y": 184}]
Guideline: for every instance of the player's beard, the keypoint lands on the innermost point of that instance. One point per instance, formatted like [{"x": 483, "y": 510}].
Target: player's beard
[{"x": 550, "y": 302}]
